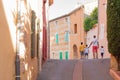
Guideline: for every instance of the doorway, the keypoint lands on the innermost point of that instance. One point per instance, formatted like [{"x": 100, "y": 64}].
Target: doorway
[{"x": 75, "y": 53}]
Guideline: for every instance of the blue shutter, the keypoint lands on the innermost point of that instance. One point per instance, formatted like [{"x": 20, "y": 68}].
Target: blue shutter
[
  {"x": 56, "y": 38},
  {"x": 66, "y": 37}
]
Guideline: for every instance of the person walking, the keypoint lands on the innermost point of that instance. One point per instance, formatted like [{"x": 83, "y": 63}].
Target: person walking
[
  {"x": 95, "y": 47},
  {"x": 102, "y": 51},
  {"x": 81, "y": 50},
  {"x": 86, "y": 52}
]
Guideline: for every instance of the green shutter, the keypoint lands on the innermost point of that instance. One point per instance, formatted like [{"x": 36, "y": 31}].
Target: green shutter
[
  {"x": 60, "y": 55},
  {"x": 56, "y": 38},
  {"x": 66, "y": 55}
]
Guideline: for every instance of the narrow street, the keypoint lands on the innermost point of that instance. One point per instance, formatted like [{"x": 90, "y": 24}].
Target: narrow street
[
  {"x": 96, "y": 69},
  {"x": 76, "y": 70},
  {"x": 57, "y": 70}
]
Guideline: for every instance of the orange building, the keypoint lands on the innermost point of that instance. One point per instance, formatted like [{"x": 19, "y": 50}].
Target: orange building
[
  {"x": 102, "y": 25},
  {"x": 66, "y": 34},
  {"x": 19, "y": 39}
]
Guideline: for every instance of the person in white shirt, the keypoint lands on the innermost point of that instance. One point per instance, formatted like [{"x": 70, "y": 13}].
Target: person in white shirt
[
  {"x": 86, "y": 52},
  {"x": 95, "y": 47},
  {"x": 102, "y": 51}
]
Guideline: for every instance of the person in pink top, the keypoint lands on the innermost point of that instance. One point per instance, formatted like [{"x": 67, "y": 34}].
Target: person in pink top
[{"x": 95, "y": 47}]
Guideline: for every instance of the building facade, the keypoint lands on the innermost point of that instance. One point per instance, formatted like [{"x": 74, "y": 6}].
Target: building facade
[
  {"x": 102, "y": 25},
  {"x": 66, "y": 33},
  {"x": 101, "y": 28},
  {"x": 19, "y": 39}
]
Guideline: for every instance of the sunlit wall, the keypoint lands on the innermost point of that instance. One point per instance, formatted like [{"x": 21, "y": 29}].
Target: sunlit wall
[{"x": 12, "y": 39}]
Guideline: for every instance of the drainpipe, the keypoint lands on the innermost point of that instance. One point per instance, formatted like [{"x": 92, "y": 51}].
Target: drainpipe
[
  {"x": 17, "y": 67},
  {"x": 17, "y": 58},
  {"x": 69, "y": 33},
  {"x": 44, "y": 37}
]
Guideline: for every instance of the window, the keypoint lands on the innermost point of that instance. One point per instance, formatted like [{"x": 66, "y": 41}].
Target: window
[
  {"x": 56, "y": 38},
  {"x": 66, "y": 55},
  {"x": 66, "y": 19},
  {"x": 75, "y": 28},
  {"x": 66, "y": 36},
  {"x": 61, "y": 56},
  {"x": 56, "y": 22},
  {"x": 102, "y": 30}
]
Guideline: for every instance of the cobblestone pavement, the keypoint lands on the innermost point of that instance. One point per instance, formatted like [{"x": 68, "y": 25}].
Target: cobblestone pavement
[{"x": 91, "y": 69}]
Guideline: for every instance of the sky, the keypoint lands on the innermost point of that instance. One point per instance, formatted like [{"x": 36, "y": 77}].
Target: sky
[{"x": 62, "y": 7}]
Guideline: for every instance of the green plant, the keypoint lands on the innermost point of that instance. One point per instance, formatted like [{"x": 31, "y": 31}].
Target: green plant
[
  {"x": 91, "y": 20},
  {"x": 87, "y": 25},
  {"x": 113, "y": 28}
]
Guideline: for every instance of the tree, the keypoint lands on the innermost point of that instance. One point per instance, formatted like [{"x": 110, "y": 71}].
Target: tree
[
  {"x": 94, "y": 14},
  {"x": 91, "y": 20},
  {"x": 87, "y": 25},
  {"x": 113, "y": 30}
]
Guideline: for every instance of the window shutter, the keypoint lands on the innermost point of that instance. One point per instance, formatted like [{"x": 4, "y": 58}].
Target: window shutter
[
  {"x": 66, "y": 37},
  {"x": 56, "y": 38},
  {"x": 66, "y": 55},
  {"x": 61, "y": 56}
]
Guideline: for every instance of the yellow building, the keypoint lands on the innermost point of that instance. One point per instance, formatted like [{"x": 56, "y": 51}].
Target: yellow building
[
  {"x": 66, "y": 34},
  {"x": 19, "y": 39}
]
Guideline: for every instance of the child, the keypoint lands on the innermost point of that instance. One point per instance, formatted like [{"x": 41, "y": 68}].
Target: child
[
  {"x": 102, "y": 51},
  {"x": 81, "y": 50},
  {"x": 86, "y": 51}
]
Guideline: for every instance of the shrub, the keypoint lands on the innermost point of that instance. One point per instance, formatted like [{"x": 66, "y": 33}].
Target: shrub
[{"x": 113, "y": 28}]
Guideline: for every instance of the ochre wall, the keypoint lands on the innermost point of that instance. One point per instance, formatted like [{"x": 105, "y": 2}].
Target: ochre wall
[
  {"x": 77, "y": 17},
  {"x": 7, "y": 47},
  {"x": 102, "y": 25},
  {"x": 8, "y": 25},
  {"x": 61, "y": 27}
]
